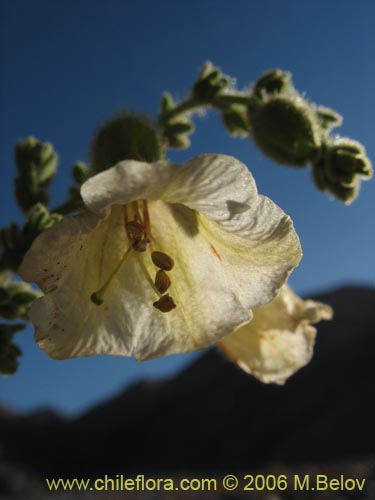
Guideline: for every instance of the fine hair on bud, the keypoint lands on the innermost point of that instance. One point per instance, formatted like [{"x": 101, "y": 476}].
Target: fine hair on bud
[{"x": 126, "y": 136}]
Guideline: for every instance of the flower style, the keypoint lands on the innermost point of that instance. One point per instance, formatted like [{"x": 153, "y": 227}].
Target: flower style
[
  {"x": 167, "y": 259},
  {"x": 280, "y": 338}
]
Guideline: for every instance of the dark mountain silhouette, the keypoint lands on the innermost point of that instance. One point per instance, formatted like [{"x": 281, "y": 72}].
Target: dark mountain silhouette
[{"x": 214, "y": 417}]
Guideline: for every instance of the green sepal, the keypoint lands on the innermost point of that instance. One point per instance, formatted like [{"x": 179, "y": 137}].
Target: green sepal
[
  {"x": 236, "y": 121},
  {"x": 274, "y": 81},
  {"x": 328, "y": 118}
]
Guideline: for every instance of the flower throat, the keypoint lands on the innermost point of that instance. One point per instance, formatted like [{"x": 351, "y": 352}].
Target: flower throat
[{"x": 138, "y": 231}]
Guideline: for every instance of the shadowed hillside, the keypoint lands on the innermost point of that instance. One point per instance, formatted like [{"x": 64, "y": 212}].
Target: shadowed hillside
[{"x": 213, "y": 417}]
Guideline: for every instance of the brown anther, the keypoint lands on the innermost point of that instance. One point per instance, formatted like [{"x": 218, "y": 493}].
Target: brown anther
[
  {"x": 162, "y": 281},
  {"x": 165, "y": 304},
  {"x": 134, "y": 228},
  {"x": 140, "y": 244},
  {"x": 162, "y": 260}
]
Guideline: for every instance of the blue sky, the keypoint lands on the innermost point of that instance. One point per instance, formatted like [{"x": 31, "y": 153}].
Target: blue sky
[{"x": 67, "y": 66}]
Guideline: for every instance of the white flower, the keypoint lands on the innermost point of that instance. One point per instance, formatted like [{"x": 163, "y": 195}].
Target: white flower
[
  {"x": 108, "y": 275},
  {"x": 279, "y": 340}
]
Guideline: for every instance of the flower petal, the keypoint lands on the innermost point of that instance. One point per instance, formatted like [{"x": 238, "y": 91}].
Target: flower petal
[
  {"x": 258, "y": 248},
  {"x": 280, "y": 339},
  {"x": 216, "y": 185}
]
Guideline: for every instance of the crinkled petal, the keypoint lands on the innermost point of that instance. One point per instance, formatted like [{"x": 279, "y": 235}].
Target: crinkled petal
[
  {"x": 279, "y": 340},
  {"x": 73, "y": 259},
  {"x": 258, "y": 248},
  {"x": 216, "y": 185}
]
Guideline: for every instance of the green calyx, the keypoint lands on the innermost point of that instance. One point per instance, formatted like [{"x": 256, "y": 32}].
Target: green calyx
[
  {"x": 126, "y": 137},
  {"x": 285, "y": 128}
]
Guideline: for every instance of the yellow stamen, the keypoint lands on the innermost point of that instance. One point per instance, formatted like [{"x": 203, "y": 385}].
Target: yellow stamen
[{"x": 97, "y": 297}]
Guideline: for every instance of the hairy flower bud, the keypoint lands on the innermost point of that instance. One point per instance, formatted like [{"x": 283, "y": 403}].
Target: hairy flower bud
[
  {"x": 341, "y": 165},
  {"x": 285, "y": 128},
  {"x": 126, "y": 137}
]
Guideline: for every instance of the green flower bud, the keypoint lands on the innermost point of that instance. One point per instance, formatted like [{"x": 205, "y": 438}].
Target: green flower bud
[
  {"x": 36, "y": 165},
  {"x": 126, "y": 137},
  {"x": 211, "y": 82},
  {"x": 284, "y": 127},
  {"x": 339, "y": 169},
  {"x": 9, "y": 352},
  {"x": 236, "y": 122},
  {"x": 274, "y": 81},
  {"x": 346, "y": 155}
]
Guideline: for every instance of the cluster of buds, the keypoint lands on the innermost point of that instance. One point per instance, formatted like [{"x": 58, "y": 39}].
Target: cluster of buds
[
  {"x": 295, "y": 132},
  {"x": 342, "y": 164},
  {"x": 36, "y": 166}
]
